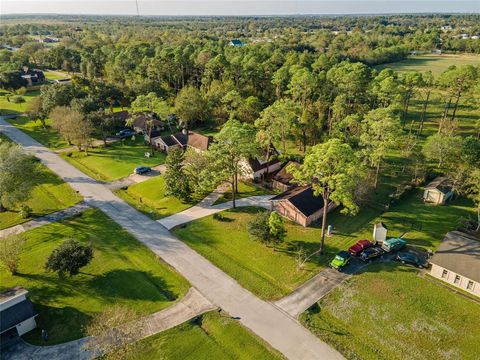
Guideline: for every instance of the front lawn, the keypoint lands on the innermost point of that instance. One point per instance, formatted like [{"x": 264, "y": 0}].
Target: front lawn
[
  {"x": 9, "y": 107},
  {"x": 50, "y": 195},
  {"x": 115, "y": 161},
  {"x": 389, "y": 312},
  {"x": 45, "y": 136},
  {"x": 149, "y": 197},
  {"x": 273, "y": 274},
  {"x": 122, "y": 271},
  {"x": 244, "y": 190},
  {"x": 211, "y": 336}
]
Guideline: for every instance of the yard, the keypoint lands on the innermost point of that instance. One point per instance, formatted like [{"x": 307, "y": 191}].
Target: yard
[
  {"x": 211, "y": 336},
  {"x": 45, "y": 136},
  {"x": 50, "y": 195},
  {"x": 9, "y": 107},
  {"x": 115, "y": 161},
  {"x": 244, "y": 190},
  {"x": 272, "y": 274},
  {"x": 389, "y": 312},
  {"x": 122, "y": 271},
  {"x": 149, "y": 197},
  {"x": 435, "y": 63}
]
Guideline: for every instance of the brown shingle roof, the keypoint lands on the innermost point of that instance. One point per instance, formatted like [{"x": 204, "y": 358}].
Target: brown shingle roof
[
  {"x": 193, "y": 139},
  {"x": 302, "y": 198},
  {"x": 460, "y": 253}
]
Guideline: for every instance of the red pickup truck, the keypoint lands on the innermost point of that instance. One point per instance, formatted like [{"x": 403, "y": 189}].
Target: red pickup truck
[{"x": 359, "y": 246}]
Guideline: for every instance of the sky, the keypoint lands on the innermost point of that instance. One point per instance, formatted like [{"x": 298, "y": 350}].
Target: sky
[{"x": 236, "y": 7}]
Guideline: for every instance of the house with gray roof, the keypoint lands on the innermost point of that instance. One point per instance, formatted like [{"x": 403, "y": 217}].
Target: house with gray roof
[
  {"x": 438, "y": 191},
  {"x": 457, "y": 262}
]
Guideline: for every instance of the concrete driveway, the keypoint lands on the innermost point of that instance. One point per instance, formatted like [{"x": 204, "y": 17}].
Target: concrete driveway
[{"x": 273, "y": 325}]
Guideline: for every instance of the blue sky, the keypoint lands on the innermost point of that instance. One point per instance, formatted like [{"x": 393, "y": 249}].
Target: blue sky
[{"x": 236, "y": 7}]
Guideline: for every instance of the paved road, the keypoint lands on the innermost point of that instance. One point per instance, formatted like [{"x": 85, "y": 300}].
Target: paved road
[
  {"x": 316, "y": 288},
  {"x": 269, "y": 322},
  {"x": 191, "y": 305},
  {"x": 44, "y": 220}
]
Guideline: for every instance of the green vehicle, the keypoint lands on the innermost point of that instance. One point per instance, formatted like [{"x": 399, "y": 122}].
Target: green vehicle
[
  {"x": 340, "y": 260},
  {"x": 393, "y": 244}
]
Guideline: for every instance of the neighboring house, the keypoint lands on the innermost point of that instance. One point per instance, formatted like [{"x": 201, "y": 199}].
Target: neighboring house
[
  {"x": 300, "y": 205},
  {"x": 121, "y": 118},
  {"x": 457, "y": 262},
  {"x": 140, "y": 125},
  {"x": 236, "y": 42},
  {"x": 184, "y": 139},
  {"x": 256, "y": 168},
  {"x": 283, "y": 179},
  {"x": 17, "y": 316},
  {"x": 33, "y": 76},
  {"x": 438, "y": 191},
  {"x": 379, "y": 233}
]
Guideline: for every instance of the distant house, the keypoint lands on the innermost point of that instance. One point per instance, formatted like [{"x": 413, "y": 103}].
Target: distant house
[
  {"x": 300, "y": 205},
  {"x": 33, "y": 76},
  {"x": 17, "y": 316},
  {"x": 437, "y": 52},
  {"x": 282, "y": 180},
  {"x": 457, "y": 262},
  {"x": 379, "y": 233},
  {"x": 184, "y": 139},
  {"x": 438, "y": 191},
  {"x": 256, "y": 167},
  {"x": 236, "y": 42},
  {"x": 140, "y": 125}
]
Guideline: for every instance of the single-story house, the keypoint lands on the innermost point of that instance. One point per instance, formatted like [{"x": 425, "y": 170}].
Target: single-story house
[
  {"x": 33, "y": 76},
  {"x": 457, "y": 261},
  {"x": 236, "y": 42},
  {"x": 299, "y": 204},
  {"x": 438, "y": 191},
  {"x": 184, "y": 139},
  {"x": 256, "y": 168},
  {"x": 17, "y": 316},
  {"x": 139, "y": 124},
  {"x": 282, "y": 180}
]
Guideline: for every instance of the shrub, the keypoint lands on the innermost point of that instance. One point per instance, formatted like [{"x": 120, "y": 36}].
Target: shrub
[
  {"x": 21, "y": 91},
  {"x": 17, "y": 99},
  {"x": 25, "y": 211},
  {"x": 69, "y": 257}
]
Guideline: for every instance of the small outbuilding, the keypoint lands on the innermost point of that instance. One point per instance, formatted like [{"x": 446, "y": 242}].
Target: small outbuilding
[
  {"x": 300, "y": 205},
  {"x": 438, "y": 191},
  {"x": 17, "y": 316},
  {"x": 457, "y": 262},
  {"x": 282, "y": 180},
  {"x": 379, "y": 233}
]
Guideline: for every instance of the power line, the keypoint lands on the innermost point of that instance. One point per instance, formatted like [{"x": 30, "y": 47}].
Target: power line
[{"x": 138, "y": 12}]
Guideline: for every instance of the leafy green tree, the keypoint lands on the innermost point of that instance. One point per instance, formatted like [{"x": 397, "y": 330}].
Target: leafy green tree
[
  {"x": 12, "y": 80},
  {"x": 411, "y": 80},
  {"x": 259, "y": 229},
  {"x": 276, "y": 227},
  {"x": 104, "y": 122},
  {"x": 72, "y": 126},
  {"x": 333, "y": 170},
  {"x": 381, "y": 133},
  {"x": 176, "y": 180},
  {"x": 35, "y": 111},
  {"x": 69, "y": 258},
  {"x": 55, "y": 95},
  {"x": 234, "y": 143},
  {"x": 10, "y": 250},
  {"x": 18, "y": 175},
  {"x": 443, "y": 149},
  {"x": 190, "y": 106}
]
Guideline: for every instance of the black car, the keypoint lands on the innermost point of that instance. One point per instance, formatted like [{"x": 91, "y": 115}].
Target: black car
[
  {"x": 412, "y": 259},
  {"x": 140, "y": 170},
  {"x": 371, "y": 253},
  {"x": 125, "y": 133}
]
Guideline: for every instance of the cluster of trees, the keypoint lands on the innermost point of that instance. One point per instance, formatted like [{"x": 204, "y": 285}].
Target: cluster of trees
[{"x": 267, "y": 228}]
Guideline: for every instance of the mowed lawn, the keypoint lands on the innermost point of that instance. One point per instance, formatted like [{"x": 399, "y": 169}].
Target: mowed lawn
[
  {"x": 49, "y": 195},
  {"x": 211, "y": 336},
  {"x": 389, "y": 312},
  {"x": 435, "y": 63},
  {"x": 9, "y": 107},
  {"x": 122, "y": 271},
  {"x": 44, "y": 135},
  {"x": 115, "y": 161},
  {"x": 272, "y": 274},
  {"x": 149, "y": 197}
]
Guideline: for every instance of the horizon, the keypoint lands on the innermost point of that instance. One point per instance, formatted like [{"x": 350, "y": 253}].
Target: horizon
[{"x": 235, "y": 8}]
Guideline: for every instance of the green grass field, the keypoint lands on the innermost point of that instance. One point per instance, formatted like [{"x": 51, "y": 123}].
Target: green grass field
[
  {"x": 435, "y": 63},
  {"x": 8, "y": 107},
  {"x": 115, "y": 161},
  {"x": 149, "y": 197},
  {"x": 272, "y": 274},
  {"x": 212, "y": 336},
  {"x": 122, "y": 271},
  {"x": 389, "y": 312},
  {"x": 244, "y": 190},
  {"x": 54, "y": 75},
  {"x": 50, "y": 195}
]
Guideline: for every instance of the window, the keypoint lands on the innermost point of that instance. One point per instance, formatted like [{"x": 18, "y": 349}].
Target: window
[
  {"x": 457, "y": 279},
  {"x": 444, "y": 274},
  {"x": 470, "y": 285}
]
